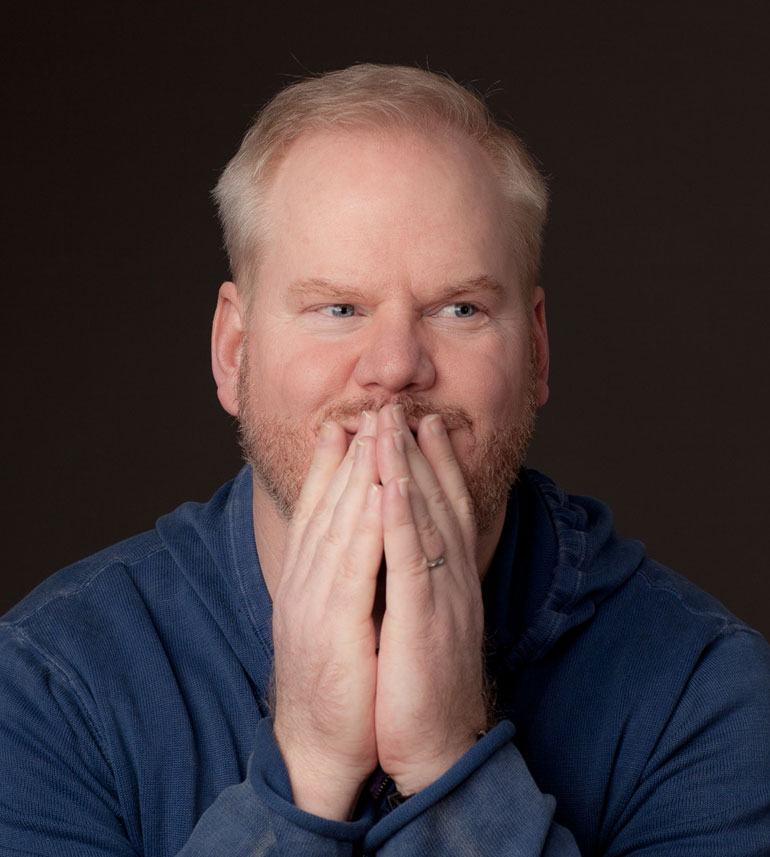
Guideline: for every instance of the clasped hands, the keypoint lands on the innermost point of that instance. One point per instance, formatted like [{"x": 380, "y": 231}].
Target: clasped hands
[{"x": 342, "y": 705}]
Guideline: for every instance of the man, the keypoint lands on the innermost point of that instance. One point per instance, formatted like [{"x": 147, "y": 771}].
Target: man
[{"x": 385, "y": 635}]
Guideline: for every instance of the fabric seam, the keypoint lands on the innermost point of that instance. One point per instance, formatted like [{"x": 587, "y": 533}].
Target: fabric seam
[
  {"x": 727, "y": 622},
  {"x": 48, "y": 658},
  {"x": 86, "y": 583}
]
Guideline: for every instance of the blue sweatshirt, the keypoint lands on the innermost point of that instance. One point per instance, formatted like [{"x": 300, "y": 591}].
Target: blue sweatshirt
[{"x": 634, "y": 709}]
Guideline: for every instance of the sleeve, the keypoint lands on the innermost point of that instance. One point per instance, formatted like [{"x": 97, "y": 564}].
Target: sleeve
[
  {"x": 57, "y": 793},
  {"x": 257, "y": 817},
  {"x": 704, "y": 791},
  {"x": 486, "y": 804}
]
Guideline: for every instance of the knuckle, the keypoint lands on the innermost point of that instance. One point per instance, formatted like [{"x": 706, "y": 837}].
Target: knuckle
[
  {"x": 347, "y": 569},
  {"x": 366, "y": 442},
  {"x": 429, "y": 528},
  {"x": 446, "y": 457},
  {"x": 437, "y": 499},
  {"x": 466, "y": 507},
  {"x": 322, "y": 508},
  {"x": 402, "y": 528},
  {"x": 369, "y": 525},
  {"x": 299, "y": 520},
  {"x": 331, "y": 540},
  {"x": 415, "y": 560}
]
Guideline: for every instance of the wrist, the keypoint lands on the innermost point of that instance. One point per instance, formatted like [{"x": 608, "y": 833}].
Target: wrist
[
  {"x": 326, "y": 799},
  {"x": 420, "y": 778},
  {"x": 413, "y": 781},
  {"x": 321, "y": 788}
]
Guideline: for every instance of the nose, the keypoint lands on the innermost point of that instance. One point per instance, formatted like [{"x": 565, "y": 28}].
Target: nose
[{"x": 394, "y": 357}]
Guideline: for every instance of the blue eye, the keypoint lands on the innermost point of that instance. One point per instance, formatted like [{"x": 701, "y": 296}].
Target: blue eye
[
  {"x": 461, "y": 310},
  {"x": 335, "y": 307}
]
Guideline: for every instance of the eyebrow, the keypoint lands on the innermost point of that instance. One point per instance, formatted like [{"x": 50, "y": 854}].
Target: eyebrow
[{"x": 329, "y": 288}]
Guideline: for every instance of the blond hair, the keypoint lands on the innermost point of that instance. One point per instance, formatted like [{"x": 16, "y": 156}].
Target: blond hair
[{"x": 379, "y": 97}]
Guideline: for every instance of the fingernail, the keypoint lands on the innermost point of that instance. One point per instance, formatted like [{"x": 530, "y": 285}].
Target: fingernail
[
  {"x": 326, "y": 431},
  {"x": 360, "y": 445},
  {"x": 367, "y": 422},
  {"x": 373, "y": 495},
  {"x": 398, "y": 440},
  {"x": 436, "y": 425},
  {"x": 403, "y": 486},
  {"x": 398, "y": 415}
]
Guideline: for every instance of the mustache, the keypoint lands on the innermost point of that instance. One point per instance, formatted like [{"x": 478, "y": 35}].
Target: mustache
[{"x": 414, "y": 410}]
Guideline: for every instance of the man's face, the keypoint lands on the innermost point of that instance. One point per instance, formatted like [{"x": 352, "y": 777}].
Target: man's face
[{"x": 387, "y": 276}]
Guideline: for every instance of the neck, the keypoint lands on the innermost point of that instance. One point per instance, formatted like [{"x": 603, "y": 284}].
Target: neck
[{"x": 270, "y": 529}]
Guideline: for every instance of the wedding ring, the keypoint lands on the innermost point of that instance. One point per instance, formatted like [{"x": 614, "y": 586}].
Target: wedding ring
[{"x": 435, "y": 563}]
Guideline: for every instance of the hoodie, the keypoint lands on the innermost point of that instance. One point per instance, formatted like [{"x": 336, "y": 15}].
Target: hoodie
[{"x": 633, "y": 708}]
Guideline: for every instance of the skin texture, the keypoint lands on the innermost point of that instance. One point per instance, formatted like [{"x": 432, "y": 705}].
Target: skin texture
[{"x": 386, "y": 225}]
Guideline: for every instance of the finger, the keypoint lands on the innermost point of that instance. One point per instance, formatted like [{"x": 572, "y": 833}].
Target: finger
[
  {"x": 409, "y": 591},
  {"x": 352, "y": 502},
  {"x": 354, "y": 585},
  {"x": 391, "y": 418},
  {"x": 323, "y": 551},
  {"x": 328, "y": 454},
  {"x": 323, "y": 493},
  {"x": 438, "y": 452},
  {"x": 435, "y": 505},
  {"x": 386, "y": 419},
  {"x": 333, "y": 486},
  {"x": 394, "y": 463}
]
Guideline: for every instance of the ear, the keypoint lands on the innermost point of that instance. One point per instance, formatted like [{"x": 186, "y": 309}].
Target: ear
[
  {"x": 227, "y": 339},
  {"x": 542, "y": 354}
]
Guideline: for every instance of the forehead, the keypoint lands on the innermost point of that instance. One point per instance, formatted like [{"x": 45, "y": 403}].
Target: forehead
[{"x": 369, "y": 203}]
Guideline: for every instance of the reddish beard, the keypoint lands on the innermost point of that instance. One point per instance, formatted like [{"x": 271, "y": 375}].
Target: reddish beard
[{"x": 280, "y": 450}]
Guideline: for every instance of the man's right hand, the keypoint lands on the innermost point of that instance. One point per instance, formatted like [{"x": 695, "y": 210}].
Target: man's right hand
[{"x": 323, "y": 631}]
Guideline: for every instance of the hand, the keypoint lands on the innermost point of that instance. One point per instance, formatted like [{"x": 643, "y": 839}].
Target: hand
[
  {"x": 323, "y": 631},
  {"x": 430, "y": 677}
]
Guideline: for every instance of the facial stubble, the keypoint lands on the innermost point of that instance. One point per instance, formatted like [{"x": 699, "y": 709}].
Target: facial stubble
[{"x": 280, "y": 450}]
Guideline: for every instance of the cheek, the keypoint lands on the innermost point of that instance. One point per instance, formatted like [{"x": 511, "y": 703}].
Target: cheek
[
  {"x": 298, "y": 380},
  {"x": 491, "y": 382}
]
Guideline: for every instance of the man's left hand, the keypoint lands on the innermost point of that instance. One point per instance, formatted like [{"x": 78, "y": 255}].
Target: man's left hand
[{"x": 430, "y": 701}]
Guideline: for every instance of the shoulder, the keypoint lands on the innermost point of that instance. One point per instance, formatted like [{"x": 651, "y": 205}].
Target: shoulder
[
  {"x": 674, "y": 606},
  {"x": 80, "y": 581},
  {"x": 188, "y": 535},
  {"x": 689, "y": 643},
  {"x": 670, "y": 619},
  {"x": 79, "y": 613},
  {"x": 121, "y": 608},
  {"x": 599, "y": 568},
  {"x": 639, "y": 628},
  {"x": 97, "y": 607},
  {"x": 660, "y": 632}
]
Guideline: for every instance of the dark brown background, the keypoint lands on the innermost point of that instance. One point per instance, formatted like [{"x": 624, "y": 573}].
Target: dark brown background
[{"x": 651, "y": 120}]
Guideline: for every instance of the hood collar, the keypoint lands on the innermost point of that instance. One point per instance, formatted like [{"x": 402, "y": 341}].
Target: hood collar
[{"x": 558, "y": 559}]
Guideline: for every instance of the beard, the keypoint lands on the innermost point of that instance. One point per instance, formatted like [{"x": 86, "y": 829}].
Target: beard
[{"x": 280, "y": 450}]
